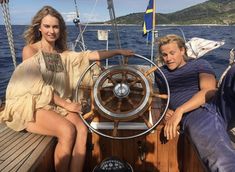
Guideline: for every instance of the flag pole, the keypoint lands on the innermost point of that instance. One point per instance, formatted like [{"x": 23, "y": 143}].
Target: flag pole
[{"x": 153, "y": 29}]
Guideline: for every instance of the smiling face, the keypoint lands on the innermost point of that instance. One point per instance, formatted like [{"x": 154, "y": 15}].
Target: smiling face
[
  {"x": 172, "y": 55},
  {"x": 50, "y": 28}
]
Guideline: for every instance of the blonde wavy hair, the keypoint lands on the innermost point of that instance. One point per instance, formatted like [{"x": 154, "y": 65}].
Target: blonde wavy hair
[
  {"x": 32, "y": 33},
  {"x": 169, "y": 39}
]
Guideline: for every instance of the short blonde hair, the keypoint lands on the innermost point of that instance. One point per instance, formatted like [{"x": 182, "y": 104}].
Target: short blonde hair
[{"x": 169, "y": 39}]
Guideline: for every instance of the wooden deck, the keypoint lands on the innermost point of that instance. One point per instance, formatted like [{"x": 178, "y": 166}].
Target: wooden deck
[{"x": 23, "y": 151}]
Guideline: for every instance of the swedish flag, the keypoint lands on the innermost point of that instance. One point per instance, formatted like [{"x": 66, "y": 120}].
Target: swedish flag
[{"x": 148, "y": 20}]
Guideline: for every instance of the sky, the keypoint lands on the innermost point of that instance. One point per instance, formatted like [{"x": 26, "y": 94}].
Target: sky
[{"x": 22, "y": 11}]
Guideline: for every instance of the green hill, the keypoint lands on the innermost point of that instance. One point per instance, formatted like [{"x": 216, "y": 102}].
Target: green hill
[{"x": 209, "y": 12}]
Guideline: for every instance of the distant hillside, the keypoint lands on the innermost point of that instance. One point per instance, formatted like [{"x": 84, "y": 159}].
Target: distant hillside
[{"x": 209, "y": 12}]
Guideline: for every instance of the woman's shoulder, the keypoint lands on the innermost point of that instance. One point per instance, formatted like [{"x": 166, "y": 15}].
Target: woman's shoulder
[{"x": 29, "y": 51}]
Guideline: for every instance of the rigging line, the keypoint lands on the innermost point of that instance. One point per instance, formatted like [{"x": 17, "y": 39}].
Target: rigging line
[
  {"x": 6, "y": 16},
  {"x": 115, "y": 28},
  {"x": 78, "y": 23},
  {"x": 80, "y": 36},
  {"x": 114, "y": 23}
]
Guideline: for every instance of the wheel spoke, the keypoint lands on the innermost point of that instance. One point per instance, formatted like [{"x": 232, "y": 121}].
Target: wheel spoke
[
  {"x": 88, "y": 115},
  {"x": 137, "y": 92},
  {"x": 113, "y": 81},
  {"x": 92, "y": 100},
  {"x": 124, "y": 77},
  {"x": 162, "y": 96},
  {"x": 125, "y": 60},
  {"x": 152, "y": 69},
  {"x": 146, "y": 121},
  {"x": 115, "y": 128},
  {"x": 106, "y": 89},
  {"x": 134, "y": 82},
  {"x": 119, "y": 105},
  {"x": 131, "y": 102},
  {"x": 108, "y": 100}
]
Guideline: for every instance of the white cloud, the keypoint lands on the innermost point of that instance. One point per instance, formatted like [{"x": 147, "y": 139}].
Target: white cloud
[
  {"x": 69, "y": 16},
  {"x": 85, "y": 17}
]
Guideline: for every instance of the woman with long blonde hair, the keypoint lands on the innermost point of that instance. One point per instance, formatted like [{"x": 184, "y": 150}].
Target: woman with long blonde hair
[{"x": 39, "y": 94}]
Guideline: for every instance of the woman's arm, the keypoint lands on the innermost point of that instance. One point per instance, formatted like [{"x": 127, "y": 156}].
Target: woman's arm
[
  {"x": 207, "y": 91},
  {"x": 99, "y": 55},
  {"x": 28, "y": 51}
]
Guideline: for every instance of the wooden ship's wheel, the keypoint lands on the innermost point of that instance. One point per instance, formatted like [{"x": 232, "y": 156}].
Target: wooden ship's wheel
[{"x": 122, "y": 97}]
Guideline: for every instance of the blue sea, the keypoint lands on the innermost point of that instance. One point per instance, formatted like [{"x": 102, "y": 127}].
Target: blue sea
[{"x": 130, "y": 37}]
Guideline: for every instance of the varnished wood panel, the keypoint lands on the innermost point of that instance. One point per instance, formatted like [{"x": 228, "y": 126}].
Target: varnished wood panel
[
  {"x": 191, "y": 162},
  {"x": 176, "y": 155}
]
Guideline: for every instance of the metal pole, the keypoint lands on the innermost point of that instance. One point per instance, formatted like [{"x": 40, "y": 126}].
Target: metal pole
[
  {"x": 115, "y": 29},
  {"x": 77, "y": 22},
  {"x": 107, "y": 48},
  {"x": 114, "y": 23}
]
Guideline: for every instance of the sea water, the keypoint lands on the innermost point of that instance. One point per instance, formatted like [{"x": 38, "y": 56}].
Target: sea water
[{"x": 130, "y": 37}]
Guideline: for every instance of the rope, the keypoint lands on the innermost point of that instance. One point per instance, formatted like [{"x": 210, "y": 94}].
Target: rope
[
  {"x": 79, "y": 38},
  {"x": 6, "y": 15},
  {"x": 122, "y": 60}
]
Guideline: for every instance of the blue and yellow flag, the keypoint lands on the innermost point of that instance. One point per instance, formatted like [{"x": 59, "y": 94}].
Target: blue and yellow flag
[{"x": 149, "y": 20}]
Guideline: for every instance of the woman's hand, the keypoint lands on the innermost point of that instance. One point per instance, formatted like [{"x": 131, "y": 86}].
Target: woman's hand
[
  {"x": 73, "y": 107},
  {"x": 68, "y": 105},
  {"x": 126, "y": 52},
  {"x": 172, "y": 121}
]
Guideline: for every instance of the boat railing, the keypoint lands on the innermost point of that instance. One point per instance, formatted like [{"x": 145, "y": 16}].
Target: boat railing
[
  {"x": 171, "y": 29},
  {"x": 104, "y": 35}
]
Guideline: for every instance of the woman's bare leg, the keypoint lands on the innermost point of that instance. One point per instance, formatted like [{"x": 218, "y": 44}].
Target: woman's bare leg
[
  {"x": 79, "y": 149},
  {"x": 52, "y": 124}
]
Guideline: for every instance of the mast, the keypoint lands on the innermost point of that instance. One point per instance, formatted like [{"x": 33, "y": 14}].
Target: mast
[{"x": 153, "y": 29}]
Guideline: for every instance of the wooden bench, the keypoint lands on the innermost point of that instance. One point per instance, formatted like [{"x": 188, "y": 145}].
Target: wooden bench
[{"x": 23, "y": 151}]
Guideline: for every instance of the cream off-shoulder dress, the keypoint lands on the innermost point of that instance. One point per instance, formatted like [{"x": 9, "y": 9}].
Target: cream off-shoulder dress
[{"x": 33, "y": 82}]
